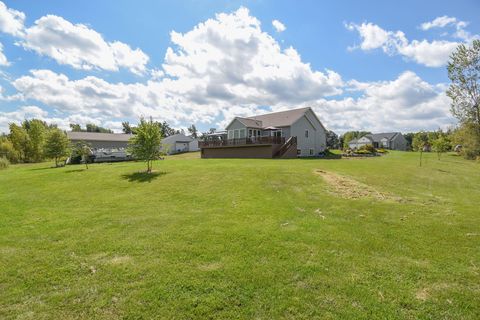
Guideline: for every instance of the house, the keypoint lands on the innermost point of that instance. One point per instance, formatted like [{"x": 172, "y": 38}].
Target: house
[
  {"x": 179, "y": 143},
  {"x": 389, "y": 140},
  {"x": 284, "y": 134},
  {"x": 98, "y": 140}
]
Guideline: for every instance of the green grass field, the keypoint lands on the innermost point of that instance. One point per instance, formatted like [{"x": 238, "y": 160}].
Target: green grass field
[{"x": 228, "y": 239}]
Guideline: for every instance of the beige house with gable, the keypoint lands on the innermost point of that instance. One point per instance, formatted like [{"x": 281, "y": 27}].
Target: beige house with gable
[{"x": 284, "y": 134}]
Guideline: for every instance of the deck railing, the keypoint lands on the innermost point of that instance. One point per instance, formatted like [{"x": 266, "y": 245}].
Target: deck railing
[
  {"x": 291, "y": 141},
  {"x": 241, "y": 142}
]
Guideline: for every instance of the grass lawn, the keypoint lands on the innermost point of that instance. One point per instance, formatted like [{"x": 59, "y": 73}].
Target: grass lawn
[{"x": 227, "y": 239}]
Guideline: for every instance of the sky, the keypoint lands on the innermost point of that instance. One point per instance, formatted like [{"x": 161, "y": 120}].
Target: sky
[{"x": 360, "y": 65}]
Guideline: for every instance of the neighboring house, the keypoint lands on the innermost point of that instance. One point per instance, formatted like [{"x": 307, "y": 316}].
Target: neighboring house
[
  {"x": 101, "y": 140},
  {"x": 389, "y": 140},
  {"x": 179, "y": 143},
  {"x": 285, "y": 134}
]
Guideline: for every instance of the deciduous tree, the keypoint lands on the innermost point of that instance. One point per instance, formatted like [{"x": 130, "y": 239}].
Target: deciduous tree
[
  {"x": 57, "y": 145},
  {"x": 145, "y": 144}
]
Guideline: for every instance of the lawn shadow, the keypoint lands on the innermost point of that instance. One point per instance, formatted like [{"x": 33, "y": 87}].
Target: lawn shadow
[
  {"x": 74, "y": 170},
  {"x": 327, "y": 157},
  {"x": 142, "y": 176},
  {"x": 46, "y": 168}
]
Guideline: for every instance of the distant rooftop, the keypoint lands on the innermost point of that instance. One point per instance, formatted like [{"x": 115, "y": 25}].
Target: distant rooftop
[
  {"x": 97, "y": 136},
  {"x": 274, "y": 119}
]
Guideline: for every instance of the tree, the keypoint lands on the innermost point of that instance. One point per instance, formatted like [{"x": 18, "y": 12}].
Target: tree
[
  {"x": 37, "y": 131},
  {"x": 420, "y": 141},
  {"x": 468, "y": 137},
  {"x": 94, "y": 128},
  {"x": 333, "y": 141},
  {"x": 145, "y": 145},
  {"x": 57, "y": 145},
  {"x": 409, "y": 137},
  {"x": 20, "y": 140},
  {"x": 83, "y": 151},
  {"x": 127, "y": 128},
  {"x": 441, "y": 145},
  {"x": 464, "y": 73},
  {"x": 193, "y": 131},
  {"x": 8, "y": 151},
  {"x": 75, "y": 127},
  {"x": 90, "y": 127}
]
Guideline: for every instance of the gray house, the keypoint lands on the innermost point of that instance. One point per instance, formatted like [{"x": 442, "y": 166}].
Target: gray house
[
  {"x": 101, "y": 140},
  {"x": 389, "y": 140},
  {"x": 179, "y": 143},
  {"x": 285, "y": 134}
]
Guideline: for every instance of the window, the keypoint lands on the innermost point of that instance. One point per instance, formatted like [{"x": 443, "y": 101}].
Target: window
[
  {"x": 237, "y": 133},
  {"x": 243, "y": 133},
  {"x": 230, "y": 134},
  {"x": 311, "y": 152},
  {"x": 249, "y": 132},
  {"x": 306, "y": 133}
]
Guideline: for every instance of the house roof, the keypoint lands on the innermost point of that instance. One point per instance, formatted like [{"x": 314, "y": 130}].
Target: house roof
[
  {"x": 250, "y": 123},
  {"x": 376, "y": 137},
  {"x": 280, "y": 119},
  {"x": 356, "y": 140},
  {"x": 97, "y": 136},
  {"x": 179, "y": 137}
]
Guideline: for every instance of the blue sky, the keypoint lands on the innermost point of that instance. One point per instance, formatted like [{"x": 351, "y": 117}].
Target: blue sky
[{"x": 364, "y": 66}]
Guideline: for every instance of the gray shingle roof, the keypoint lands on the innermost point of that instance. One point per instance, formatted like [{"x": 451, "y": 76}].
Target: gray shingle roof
[
  {"x": 96, "y": 136},
  {"x": 176, "y": 138},
  {"x": 376, "y": 137},
  {"x": 250, "y": 123},
  {"x": 280, "y": 119}
]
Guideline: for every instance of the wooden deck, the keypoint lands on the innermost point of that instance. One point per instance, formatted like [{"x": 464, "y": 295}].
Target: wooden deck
[{"x": 241, "y": 142}]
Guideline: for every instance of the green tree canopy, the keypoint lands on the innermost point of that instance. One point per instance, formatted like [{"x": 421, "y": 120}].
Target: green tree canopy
[
  {"x": 464, "y": 73},
  {"x": 57, "y": 145},
  {"x": 146, "y": 143}
]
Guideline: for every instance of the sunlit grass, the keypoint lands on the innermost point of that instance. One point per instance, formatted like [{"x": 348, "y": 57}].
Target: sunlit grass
[{"x": 268, "y": 239}]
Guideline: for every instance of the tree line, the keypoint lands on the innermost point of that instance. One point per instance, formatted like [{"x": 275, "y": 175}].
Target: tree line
[{"x": 165, "y": 129}]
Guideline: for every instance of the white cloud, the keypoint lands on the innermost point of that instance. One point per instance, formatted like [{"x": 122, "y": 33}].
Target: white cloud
[
  {"x": 227, "y": 66},
  {"x": 279, "y": 27},
  {"x": 439, "y": 22},
  {"x": 11, "y": 21},
  {"x": 373, "y": 36},
  {"x": 230, "y": 58},
  {"x": 32, "y": 111},
  {"x": 405, "y": 104},
  {"x": 445, "y": 21},
  {"x": 93, "y": 97},
  {"x": 3, "y": 58},
  {"x": 80, "y": 46},
  {"x": 429, "y": 53}
]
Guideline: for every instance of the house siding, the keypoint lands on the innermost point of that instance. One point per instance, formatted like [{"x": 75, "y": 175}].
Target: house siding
[
  {"x": 236, "y": 124},
  {"x": 316, "y": 139},
  {"x": 363, "y": 141},
  {"x": 399, "y": 143},
  {"x": 103, "y": 144}
]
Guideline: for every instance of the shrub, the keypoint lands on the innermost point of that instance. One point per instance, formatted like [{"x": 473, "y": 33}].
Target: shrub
[
  {"x": 8, "y": 151},
  {"x": 381, "y": 150},
  {"x": 368, "y": 148},
  {"x": 359, "y": 151},
  {"x": 4, "y": 163}
]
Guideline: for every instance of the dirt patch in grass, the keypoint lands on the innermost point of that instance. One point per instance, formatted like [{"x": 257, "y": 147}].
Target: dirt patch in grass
[
  {"x": 349, "y": 188},
  {"x": 427, "y": 293},
  {"x": 210, "y": 266}
]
